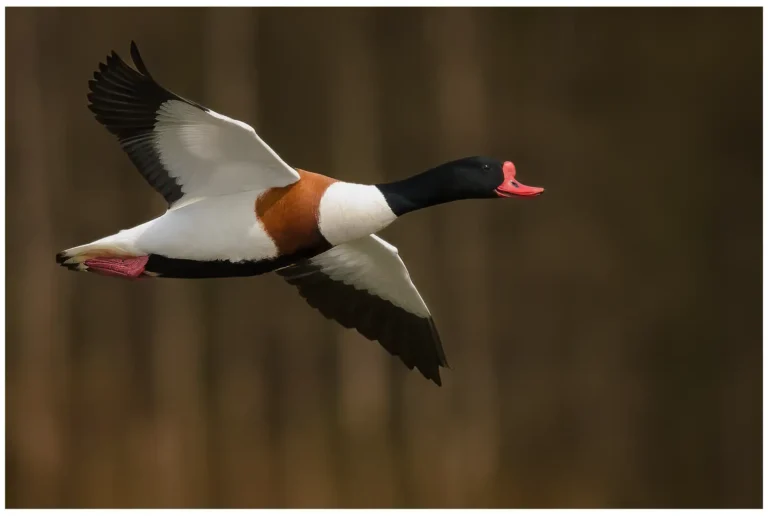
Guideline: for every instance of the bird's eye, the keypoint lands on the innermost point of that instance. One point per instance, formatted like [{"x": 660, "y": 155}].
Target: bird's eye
[
  {"x": 514, "y": 183},
  {"x": 486, "y": 167}
]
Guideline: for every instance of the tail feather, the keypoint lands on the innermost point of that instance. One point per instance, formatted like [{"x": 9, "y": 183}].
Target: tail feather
[{"x": 66, "y": 260}]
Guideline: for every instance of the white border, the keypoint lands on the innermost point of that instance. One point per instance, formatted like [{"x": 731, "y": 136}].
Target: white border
[
  {"x": 432, "y": 3},
  {"x": 2, "y": 246}
]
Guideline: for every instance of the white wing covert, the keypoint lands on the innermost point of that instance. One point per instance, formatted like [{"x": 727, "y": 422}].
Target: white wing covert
[
  {"x": 363, "y": 284},
  {"x": 184, "y": 150}
]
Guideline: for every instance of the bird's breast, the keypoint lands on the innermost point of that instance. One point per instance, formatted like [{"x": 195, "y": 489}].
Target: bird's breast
[
  {"x": 350, "y": 211},
  {"x": 290, "y": 214}
]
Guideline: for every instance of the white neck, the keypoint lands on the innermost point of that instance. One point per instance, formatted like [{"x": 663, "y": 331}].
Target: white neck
[{"x": 349, "y": 211}]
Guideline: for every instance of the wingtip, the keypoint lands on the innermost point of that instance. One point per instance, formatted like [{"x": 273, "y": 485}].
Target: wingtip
[
  {"x": 431, "y": 374},
  {"x": 137, "y": 60}
]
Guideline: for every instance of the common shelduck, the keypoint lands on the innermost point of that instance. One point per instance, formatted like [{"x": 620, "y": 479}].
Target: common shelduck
[{"x": 235, "y": 208}]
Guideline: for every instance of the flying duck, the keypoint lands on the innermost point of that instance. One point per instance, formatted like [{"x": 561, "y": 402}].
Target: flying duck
[{"x": 235, "y": 208}]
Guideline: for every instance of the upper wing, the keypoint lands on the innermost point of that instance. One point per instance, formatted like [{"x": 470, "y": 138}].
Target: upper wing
[
  {"x": 184, "y": 150},
  {"x": 364, "y": 285}
]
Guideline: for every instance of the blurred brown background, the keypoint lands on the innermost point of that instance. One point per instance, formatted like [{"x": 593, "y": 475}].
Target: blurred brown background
[{"x": 605, "y": 338}]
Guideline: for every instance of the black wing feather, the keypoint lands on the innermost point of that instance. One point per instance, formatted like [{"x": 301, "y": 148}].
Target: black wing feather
[
  {"x": 126, "y": 102},
  {"x": 412, "y": 338}
]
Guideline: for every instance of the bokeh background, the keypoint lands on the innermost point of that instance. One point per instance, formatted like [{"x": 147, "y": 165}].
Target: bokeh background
[{"x": 605, "y": 338}]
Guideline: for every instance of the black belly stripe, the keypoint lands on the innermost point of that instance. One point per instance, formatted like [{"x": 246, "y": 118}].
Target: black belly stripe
[{"x": 198, "y": 269}]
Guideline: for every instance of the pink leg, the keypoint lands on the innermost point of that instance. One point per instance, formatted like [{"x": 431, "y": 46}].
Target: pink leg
[{"x": 123, "y": 267}]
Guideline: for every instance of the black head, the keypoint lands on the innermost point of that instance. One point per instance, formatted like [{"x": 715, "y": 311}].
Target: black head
[
  {"x": 471, "y": 178},
  {"x": 477, "y": 177}
]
